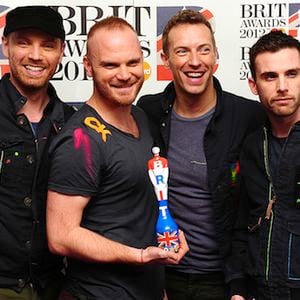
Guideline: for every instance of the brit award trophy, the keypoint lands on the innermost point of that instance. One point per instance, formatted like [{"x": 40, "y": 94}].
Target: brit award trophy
[{"x": 166, "y": 228}]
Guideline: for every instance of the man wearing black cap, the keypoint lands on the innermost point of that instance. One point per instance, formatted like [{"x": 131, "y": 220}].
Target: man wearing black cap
[{"x": 31, "y": 114}]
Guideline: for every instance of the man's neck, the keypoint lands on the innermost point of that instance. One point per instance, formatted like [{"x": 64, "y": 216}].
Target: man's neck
[
  {"x": 118, "y": 116},
  {"x": 34, "y": 106},
  {"x": 281, "y": 126},
  {"x": 192, "y": 106},
  {"x": 36, "y": 100}
]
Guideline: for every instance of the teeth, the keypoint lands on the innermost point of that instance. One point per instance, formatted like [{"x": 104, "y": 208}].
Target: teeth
[
  {"x": 194, "y": 75},
  {"x": 34, "y": 68}
]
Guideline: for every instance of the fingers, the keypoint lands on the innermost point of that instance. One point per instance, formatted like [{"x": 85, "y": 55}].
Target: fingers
[
  {"x": 157, "y": 255},
  {"x": 184, "y": 247},
  {"x": 175, "y": 258}
]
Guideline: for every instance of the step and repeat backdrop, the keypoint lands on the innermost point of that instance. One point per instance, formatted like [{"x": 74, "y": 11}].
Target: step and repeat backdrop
[{"x": 237, "y": 25}]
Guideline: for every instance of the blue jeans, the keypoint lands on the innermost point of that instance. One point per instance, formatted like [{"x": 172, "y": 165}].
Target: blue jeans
[{"x": 183, "y": 286}]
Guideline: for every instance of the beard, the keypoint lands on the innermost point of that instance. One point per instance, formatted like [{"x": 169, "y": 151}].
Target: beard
[{"x": 26, "y": 84}]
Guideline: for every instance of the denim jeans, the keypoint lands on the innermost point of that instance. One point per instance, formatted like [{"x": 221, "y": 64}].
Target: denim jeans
[
  {"x": 183, "y": 286},
  {"x": 274, "y": 293},
  {"x": 28, "y": 293}
]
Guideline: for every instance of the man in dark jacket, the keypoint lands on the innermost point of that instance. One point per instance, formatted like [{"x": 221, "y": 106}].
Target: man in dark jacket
[
  {"x": 267, "y": 239},
  {"x": 31, "y": 114},
  {"x": 200, "y": 128}
]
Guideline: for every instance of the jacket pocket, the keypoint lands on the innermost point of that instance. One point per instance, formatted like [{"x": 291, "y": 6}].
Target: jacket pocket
[
  {"x": 257, "y": 237},
  {"x": 11, "y": 162},
  {"x": 293, "y": 259}
]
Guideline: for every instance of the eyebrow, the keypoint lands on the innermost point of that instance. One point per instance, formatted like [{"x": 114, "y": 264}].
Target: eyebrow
[
  {"x": 134, "y": 60},
  {"x": 198, "y": 46},
  {"x": 297, "y": 69}
]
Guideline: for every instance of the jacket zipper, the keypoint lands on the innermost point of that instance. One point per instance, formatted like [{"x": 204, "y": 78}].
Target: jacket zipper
[
  {"x": 1, "y": 160},
  {"x": 272, "y": 199},
  {"x": 271, "y": 202}
]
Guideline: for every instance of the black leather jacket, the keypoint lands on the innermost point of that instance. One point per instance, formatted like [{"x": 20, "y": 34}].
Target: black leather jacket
[
  {"x": 24, "y": 255},
  {"x": 234, "y": 118},
  {"x": 267, "y": 241}
]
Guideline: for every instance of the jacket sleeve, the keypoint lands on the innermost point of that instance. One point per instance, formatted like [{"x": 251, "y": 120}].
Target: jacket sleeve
[{"x": 235, "y": 266}]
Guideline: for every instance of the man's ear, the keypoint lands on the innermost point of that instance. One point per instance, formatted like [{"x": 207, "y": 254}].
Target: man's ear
[
  {"x": 165, "y": 60},
  {"x": 5, "y": 46},
  {"x": 216, "y": 55},
  {"x": 87, "y": 66},
  {"x": 63, "y": 47},
  {"x": 252, "y": 85}
]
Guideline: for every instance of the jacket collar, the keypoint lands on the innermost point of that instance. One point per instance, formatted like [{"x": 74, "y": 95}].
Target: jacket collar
[
  {"x": 12, "y": 95},
  {"x": 54, "y": 109},
  {"x": 170, "y": 95}
]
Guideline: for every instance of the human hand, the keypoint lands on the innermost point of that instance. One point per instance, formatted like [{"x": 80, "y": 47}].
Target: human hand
[
  {"x": 157, "y": 255},
  {"x": 183, "y": 246}
]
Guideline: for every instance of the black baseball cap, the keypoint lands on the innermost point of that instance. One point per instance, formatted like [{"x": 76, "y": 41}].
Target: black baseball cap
[{"x": 43, "y": 18}]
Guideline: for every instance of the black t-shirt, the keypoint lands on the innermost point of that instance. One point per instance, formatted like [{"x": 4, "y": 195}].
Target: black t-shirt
[
  {"x": 93, "y": 158},
  {"x": 275, "y": 149}
]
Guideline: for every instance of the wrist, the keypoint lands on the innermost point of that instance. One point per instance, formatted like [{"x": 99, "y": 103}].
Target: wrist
[{"x": 142, "y": 256}]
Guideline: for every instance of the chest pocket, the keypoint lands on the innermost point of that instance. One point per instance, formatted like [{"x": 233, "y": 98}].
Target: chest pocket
[{"x": 11, "y": 161}]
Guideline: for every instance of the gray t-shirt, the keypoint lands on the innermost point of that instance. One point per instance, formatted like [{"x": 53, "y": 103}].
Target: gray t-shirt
[{"x": 190, "y": 200}]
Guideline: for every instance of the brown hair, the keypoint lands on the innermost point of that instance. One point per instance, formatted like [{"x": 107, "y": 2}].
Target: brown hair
[
  {"x": 186, "y": 16},
  {"x": 271, "y": 42}
]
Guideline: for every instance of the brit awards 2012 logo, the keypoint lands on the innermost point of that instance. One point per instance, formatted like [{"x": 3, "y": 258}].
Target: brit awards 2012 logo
[
  {"x": 164, "y": 13},
  {"x": 259, "y": 19},
  {"x": 4, "y": 67},
  {"x": 294, "y": 20}
]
